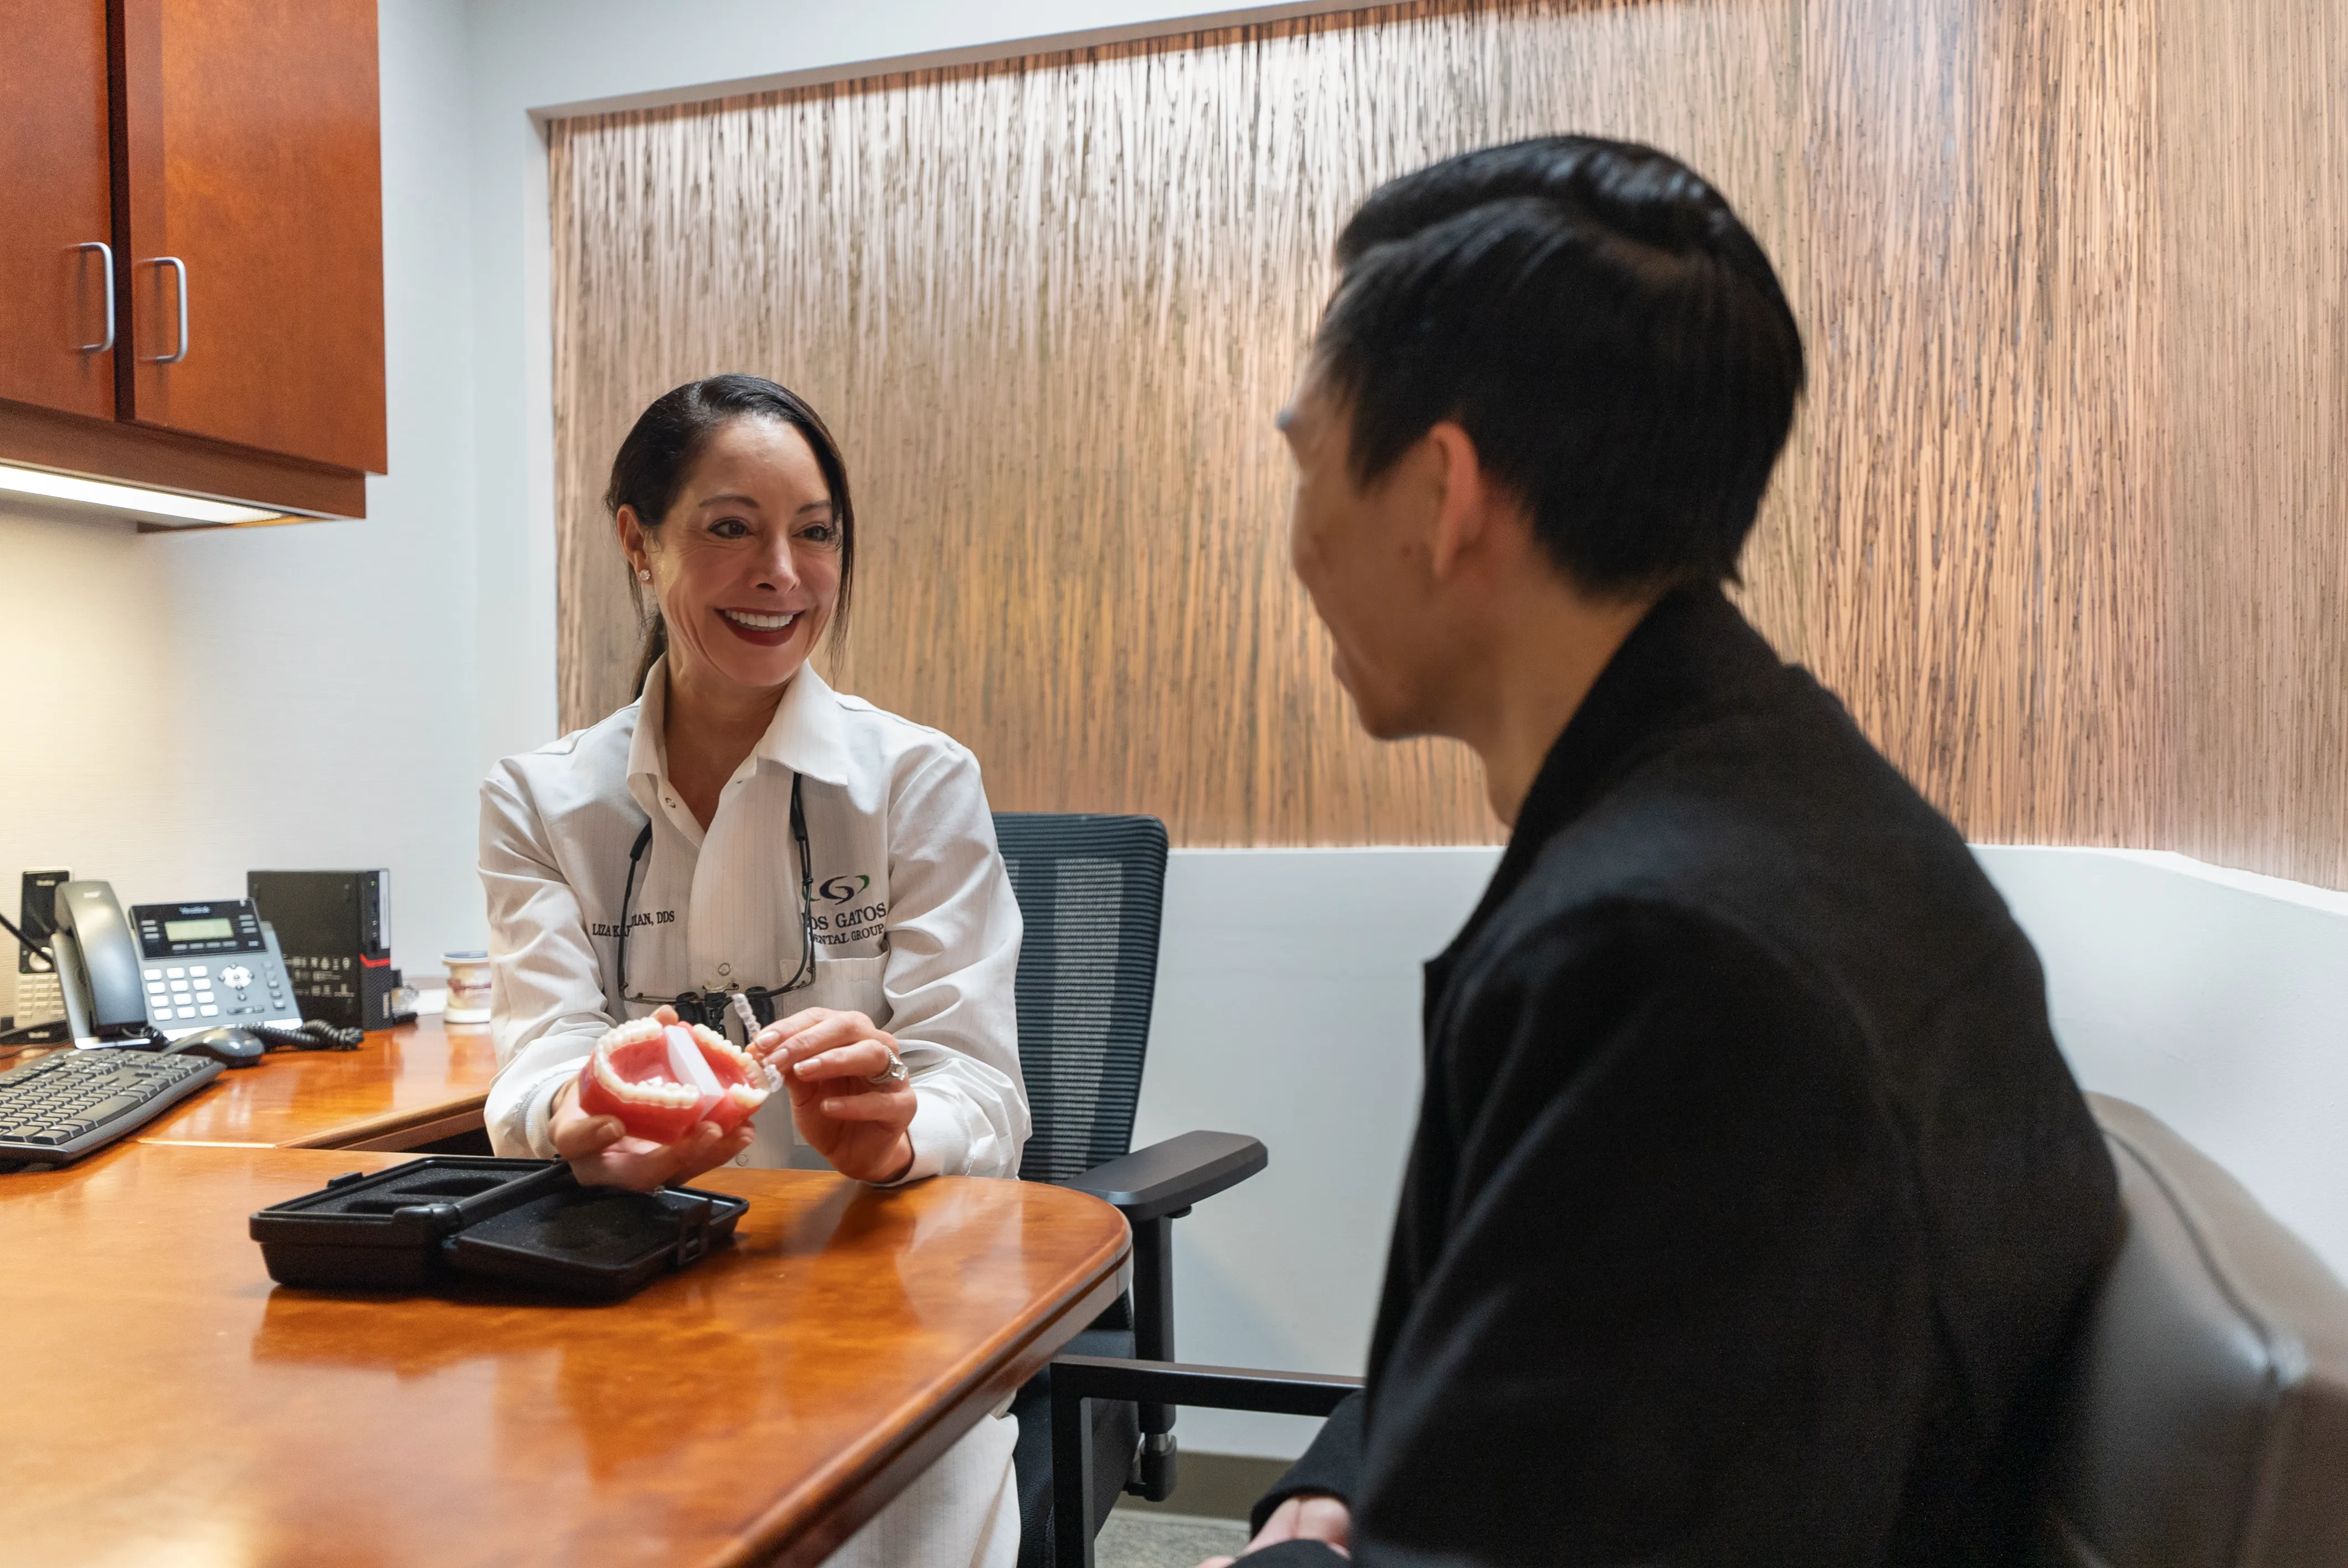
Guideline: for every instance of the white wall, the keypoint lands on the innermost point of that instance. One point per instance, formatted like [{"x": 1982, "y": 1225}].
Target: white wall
[
  {"x": 281, "y": 696},
  {"x": 1287, "y": 1007},
  {"x": 2217, "y": 999}
]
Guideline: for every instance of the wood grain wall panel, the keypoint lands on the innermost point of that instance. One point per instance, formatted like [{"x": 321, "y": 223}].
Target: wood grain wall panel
[
  {"x": 1051, "y": 308},
  {"x": 1051, "y": 305},
  {"x": 2255, "y": 172},
  {"x": 1982, "y": 306}
]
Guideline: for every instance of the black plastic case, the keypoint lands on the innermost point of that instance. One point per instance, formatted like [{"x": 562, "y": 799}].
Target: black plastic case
[{"x": 525, "y": 1220}]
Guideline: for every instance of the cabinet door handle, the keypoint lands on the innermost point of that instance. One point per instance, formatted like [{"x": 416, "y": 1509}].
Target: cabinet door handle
[
  {"x": 181, "y": 268},
  {"x": 105, "y": 254}
]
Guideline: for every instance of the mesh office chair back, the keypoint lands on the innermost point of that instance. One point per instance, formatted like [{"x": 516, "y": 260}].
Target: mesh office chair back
[{"x": 1089, "y": 890}]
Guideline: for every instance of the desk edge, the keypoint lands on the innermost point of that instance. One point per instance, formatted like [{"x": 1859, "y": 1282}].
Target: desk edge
[
  {"x": 923, "y": 1442},
  {"x": 418, "y": 1124}
]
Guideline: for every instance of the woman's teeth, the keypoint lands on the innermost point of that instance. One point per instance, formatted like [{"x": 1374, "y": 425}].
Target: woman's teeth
[{"x": 759, "y": 622}]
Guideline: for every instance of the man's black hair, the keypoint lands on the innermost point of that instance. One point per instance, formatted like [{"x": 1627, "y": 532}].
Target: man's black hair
[{"x": 1601, "y": 325}]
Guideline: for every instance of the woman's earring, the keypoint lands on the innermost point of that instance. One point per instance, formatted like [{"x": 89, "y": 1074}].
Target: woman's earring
[{"x": 644, "y": 576}]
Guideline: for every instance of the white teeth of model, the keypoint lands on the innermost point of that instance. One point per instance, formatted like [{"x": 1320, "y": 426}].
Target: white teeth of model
[
  {"x": 655, "y": 1091},
  {"x": 759, "y": 622}
]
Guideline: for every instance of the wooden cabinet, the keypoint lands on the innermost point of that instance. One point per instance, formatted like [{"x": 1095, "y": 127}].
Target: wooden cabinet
[
  {"x": 250, "y": 160},
  {"x": 227, "y": 151},
  {"x": 58, "y": 224}
]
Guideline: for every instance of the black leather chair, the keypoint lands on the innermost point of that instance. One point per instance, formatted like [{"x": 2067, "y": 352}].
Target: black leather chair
[
  {"x": 1091, "y": 890},
  {"x": 2204, "y": 1426},
  {"x": 2207, "y": 1426}
]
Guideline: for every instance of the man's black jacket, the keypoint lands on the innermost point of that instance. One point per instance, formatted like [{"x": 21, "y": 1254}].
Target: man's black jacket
[{"x": 1751, "y": 1206}]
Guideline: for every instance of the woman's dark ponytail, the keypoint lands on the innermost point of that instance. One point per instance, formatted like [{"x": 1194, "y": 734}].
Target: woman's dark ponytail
[
  {"x": 655, "y": 644},
  {"x": 668, "y": 436}
]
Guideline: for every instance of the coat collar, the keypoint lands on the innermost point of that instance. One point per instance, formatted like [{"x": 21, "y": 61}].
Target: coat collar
[
  {"x": 1688, "y": 655},
  {"x": 809, "y": 734},
  {"x": 806, "y": 735}
]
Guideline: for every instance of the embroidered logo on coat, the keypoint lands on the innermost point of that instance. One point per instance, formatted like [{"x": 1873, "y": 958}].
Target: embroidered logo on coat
[{"x": 841, "y": 926}]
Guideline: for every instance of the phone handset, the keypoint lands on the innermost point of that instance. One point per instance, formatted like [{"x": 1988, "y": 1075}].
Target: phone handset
[{"x": 98, "y": 966}]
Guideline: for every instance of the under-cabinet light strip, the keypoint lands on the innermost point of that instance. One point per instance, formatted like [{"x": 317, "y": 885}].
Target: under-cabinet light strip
[{"x": 127, "y": 497}]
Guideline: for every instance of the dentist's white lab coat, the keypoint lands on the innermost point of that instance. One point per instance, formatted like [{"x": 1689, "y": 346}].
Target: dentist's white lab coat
[{"x": 916, "y": 927}]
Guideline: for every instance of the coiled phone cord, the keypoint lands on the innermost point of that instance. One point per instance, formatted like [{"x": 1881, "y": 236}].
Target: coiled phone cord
[{"x": 316, "y": 1034}]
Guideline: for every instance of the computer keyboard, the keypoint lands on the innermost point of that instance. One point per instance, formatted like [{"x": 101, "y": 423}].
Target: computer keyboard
[{"x": 70, "y": 1103}]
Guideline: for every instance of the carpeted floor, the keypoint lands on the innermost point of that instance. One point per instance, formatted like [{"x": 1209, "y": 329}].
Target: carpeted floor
[{"x": 1134, "y": 1539}]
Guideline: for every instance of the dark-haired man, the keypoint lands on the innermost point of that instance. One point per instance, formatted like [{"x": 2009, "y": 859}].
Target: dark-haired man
[{"x": 1750, "y": 1205}]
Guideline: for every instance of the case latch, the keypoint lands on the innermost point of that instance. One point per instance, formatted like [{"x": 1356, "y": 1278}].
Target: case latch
[{"x": 692, "y": 1231}]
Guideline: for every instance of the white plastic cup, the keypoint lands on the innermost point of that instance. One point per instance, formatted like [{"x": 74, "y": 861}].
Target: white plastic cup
[{"x": 468, "y": 986}]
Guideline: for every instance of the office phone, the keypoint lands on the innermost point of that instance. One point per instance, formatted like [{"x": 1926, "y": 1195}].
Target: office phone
[
  {"x": 173, "y": 969},
  {"x": 40, "y": 1016}
]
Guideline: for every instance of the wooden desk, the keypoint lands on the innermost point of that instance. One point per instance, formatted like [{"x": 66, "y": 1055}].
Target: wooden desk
[
  {"x": 404, "y": 1087},
  {"x": 755, "y": 1409}
]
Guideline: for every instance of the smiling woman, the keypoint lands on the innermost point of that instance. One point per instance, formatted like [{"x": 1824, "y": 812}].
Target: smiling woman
[
  {"x": 746, "y": 849},
  {"x": 729, "y": 433}
]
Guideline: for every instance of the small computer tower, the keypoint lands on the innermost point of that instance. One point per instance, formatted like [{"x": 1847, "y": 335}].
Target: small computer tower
[{"x": 334, "y": 927}]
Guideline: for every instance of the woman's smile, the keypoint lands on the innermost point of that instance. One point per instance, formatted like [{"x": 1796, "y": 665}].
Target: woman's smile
[{"x": 763, "y": 630}]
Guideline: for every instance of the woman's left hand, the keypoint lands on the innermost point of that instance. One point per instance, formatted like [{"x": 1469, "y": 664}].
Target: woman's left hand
[{"x": 827, "y": 1060}]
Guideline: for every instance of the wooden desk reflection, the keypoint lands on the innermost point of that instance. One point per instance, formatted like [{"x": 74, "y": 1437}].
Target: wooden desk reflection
[
  {"x": 404, "y": 1087},
  {"x": 756, "y": 1408}
]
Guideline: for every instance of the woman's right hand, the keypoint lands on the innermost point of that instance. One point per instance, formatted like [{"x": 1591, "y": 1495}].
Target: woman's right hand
[{"x": 602, "y": 1153}]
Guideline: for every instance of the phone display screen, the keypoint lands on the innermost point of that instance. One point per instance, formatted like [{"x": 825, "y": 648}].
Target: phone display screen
[{"x": 197, "y": 930}]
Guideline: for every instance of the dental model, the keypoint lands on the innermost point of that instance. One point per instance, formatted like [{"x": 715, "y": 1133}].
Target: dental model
[{"x": 664, "y": 1081}]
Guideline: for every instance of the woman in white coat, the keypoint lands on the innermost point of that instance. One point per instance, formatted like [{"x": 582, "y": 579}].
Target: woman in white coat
[{"x": 743, "y": 843}]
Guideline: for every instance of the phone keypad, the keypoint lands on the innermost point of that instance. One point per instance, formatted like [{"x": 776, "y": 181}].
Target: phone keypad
[
  {"x": 40, "y": 997},
  {"x": 187, "y": 992},
  {"x": 236, "y": 982}
]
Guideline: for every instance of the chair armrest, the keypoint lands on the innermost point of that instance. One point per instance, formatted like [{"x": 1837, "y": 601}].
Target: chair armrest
[
  {"x": 1205, "y": 1387},
  {"x": 1153, "y": 1385},
  {"x": 1154, "y": 1182}
]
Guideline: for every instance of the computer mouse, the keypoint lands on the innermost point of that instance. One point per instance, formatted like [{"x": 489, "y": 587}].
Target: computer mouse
[{"x": 236, "y": 1047}]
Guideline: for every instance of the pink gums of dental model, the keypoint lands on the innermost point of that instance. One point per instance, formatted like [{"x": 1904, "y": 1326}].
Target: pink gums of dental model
[{"x": 663, "y": 1081}]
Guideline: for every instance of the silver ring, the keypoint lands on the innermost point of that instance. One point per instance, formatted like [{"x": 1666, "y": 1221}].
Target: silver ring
[{"x": 893, "y": 1074}]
